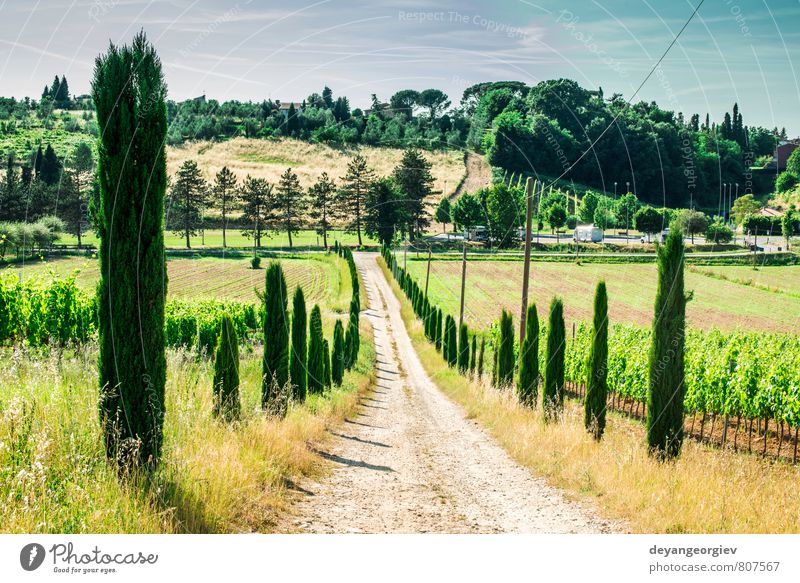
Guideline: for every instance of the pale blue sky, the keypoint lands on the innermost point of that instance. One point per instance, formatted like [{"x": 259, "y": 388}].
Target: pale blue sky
[{"x": 735, "y": 50}]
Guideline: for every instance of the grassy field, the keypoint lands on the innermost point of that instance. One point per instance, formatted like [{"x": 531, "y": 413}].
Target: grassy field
[
  {"x": 717, "y": 303},
  {"x": 234, "y": 238},
  {"x": 704, "y": 491},
  {"x": 270, "y": 158},
  {"x": 214, "y": 477}
]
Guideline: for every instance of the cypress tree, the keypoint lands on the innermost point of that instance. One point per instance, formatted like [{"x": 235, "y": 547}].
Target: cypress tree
[
  {"x": 275, "y": 367},
  {"x": 666, "y": 360},
  {"x": 445, "y": 338},
  {"x": 439, "y": 333},
  {"x": 505, "y": 351},
  {"x": 226, "y": 372},
  {"x": 128, "y": 92},
  {"x": 463, "y": 349},
  {"x": 528, "y": 384},
  {"x": 553, "y": 398},
  {"x": 316, "y": 353},
  {"x": 299, "y": 351},
  {"x": 452, "y": 342},
  {"x": 596, "y": 387},
  {"x": 326, "y": 356},
  {"x": 474, "y": 357},
  {"x": 480, "y": 356},
  {"x": 337, "y": 360}
]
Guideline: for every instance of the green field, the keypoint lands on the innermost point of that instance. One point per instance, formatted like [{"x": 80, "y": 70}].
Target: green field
[
  {"x": 213, "y": 239},
  {"x": 717, "y": 303}
]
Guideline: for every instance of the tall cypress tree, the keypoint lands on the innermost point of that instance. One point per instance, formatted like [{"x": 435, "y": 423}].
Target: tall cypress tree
[
  {"x": 326, "y": 361},
  {"x": 666, "y": 362},
  {"x": 299, "y": 351},
  {"x": 528, "y": 384},
  {"x": 316, "y": 353},
  {"x": 596, "y": 386},
  {"x": 275, "y": 366},
  {"x": 337, "y": 360},
  {"x": 480, "y": 357},
  {"x": 128, "y": 92},
  {"x": 438, "y": 337},
  {"x": 226, "y": 372},
  {"x": 505, "y": 351},
  {"x": 463, "y": 349},
  {"x": 553, "y": 398},
  {"x": 474, "y": 357}
]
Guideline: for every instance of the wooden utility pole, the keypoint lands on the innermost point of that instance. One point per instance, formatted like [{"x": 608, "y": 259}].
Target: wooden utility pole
[
  {"x": 428, "y": 274},
  {"x": 463, "y": 283},
  {"x": 529, "y": 187}
]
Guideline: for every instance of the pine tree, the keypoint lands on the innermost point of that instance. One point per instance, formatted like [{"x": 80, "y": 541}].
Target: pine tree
[
  {"x": 299, "y": 350},
  {"x": 257, "y": 201},
  {"x": 275, "y": 367},
  {"x": 316, "y": 353},
  {"x": 666, "y": 360},
  {"x": 337, "y": 359},
  {"x": 128, "y": 92},
  {"x": 226, "y": 372},
  {"x": 50, "y": 168},
  {"x": 290, "y": 203},
  {"x": 505, "y": 351},
  {"x": 326, "y": 356},
  {"x": 188, "y": 201},
  {"x": 384, "y": 212},
  {"x": 352, "y": 198},
  {"x": 596, "y": 386},
  {"x": 463, "y": 349},
  {"x": 553, "y": 398},
  {"x": 528, "y": 384},
  {"x": 322, "y": 196},
  {"x": 61, "y": 95},
  {"x": 225, "y": 194},
  {"x": 415, "y": 182}
]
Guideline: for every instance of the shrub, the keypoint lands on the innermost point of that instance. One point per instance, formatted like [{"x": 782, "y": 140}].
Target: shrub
[{"x": 255, "y": 262}]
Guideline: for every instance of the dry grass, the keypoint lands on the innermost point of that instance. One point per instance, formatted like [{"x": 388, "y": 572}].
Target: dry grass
[
  {"x": 270, "y": 158},
  {"x": 705, "y": 491}
]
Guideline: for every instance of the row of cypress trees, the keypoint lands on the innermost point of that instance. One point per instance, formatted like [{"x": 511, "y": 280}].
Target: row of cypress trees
[
  {"x": 666, "y": 358},
  {"x": 458, "y": 348},
  {"x": 306, "y": 365}
]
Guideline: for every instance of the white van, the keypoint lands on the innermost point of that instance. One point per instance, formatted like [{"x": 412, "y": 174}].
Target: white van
[{"x": 587, "y": 234}]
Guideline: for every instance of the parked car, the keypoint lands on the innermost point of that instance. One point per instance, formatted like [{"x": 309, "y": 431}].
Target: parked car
[
  {"x": 660, "y": 237},
  {"x": 477, "y": 233}
]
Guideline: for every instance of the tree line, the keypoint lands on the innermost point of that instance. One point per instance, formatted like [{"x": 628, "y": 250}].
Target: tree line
[{"x": 380, "y": 207}]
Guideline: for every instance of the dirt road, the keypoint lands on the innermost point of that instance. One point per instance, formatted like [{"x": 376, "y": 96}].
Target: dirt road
[
  {"x": 411, "y": 463},
  {"x": 478, "y": 175}
]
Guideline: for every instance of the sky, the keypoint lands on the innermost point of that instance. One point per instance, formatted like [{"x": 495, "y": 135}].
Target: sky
[{"x": 745, "y": 51}]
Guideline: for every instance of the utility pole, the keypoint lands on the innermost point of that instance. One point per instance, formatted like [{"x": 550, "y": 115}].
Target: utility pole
[
  {"x": 428, "y": 274},
  {"x": 463, "y": 282},
  {"x": 526, "y": 270}
]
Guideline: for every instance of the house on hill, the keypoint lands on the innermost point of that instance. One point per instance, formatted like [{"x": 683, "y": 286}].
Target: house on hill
[
  {"x": 283, "y": 107},
  {"x": 783, "y": 150}
]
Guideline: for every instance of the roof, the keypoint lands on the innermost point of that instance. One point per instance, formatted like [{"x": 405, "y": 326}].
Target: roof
[
  {"x": 768, "y": 212},
  {"x": 286, "y": 105}
]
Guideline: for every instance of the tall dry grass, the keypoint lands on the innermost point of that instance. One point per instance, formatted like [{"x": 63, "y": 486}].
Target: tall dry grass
[
  {"x": 213, "y": 477},
  {"x": 262, "y": 158},
  {"x": 706, "y": 490}
]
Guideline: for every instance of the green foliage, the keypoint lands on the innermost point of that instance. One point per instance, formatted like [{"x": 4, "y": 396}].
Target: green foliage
[
  {"x": 473, "y": 361},
  {"x": 451, "y": 354},
  {"x": 188, "y": 200},
  {"x": 385, "y": 211},
  {"x": 649, "y": 220},
  {"x": 289, "y": 204},
  {"x": 503, "y": 205},
  {"x": 326, "y": 356},
  {"x": 594, "y": 417},
  {"x": 443, "y": 212},
  {"x": 275, "y": 366},
  {"x": 195, "y": 323},
  {"x": 299, "y": 349},
  {"x": 719, "y": 232},
  {"x": 316, "y": 353},
  {"x": 528, "y": 383},
  {"x": 338, "y": 357},
  {"x": 666, "y": 360},
  {"x": 553, "y": 393},
  {"x": 481, "y": 356},
  {"x": 226, "y": 372},
  {"x": 468, "y": 211},
  {"x": 504, "y": 375},
  {"x": 128, "y": 92},
  {"x": 785, "y": 181},
  {"x": 415, "y": 184},
  {"x": 463, "y": 349}
]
